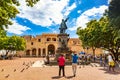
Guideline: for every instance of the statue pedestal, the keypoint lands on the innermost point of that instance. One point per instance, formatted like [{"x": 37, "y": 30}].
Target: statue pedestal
[
  {"x": 63, "y": 41},
  {"x": 63, "y": 46}
]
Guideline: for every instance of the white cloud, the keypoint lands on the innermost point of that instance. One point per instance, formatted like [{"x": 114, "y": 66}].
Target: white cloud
[
  {"x": 79, "y": 11},
  {"x": 17, "y": 28},
  {"x": 68, "y": 10},
  {"x": 53, "y": 30},
  {"x": 78, "y": 1},
  {"x": 85, "y": 17},
  {"x": 46, "y": 12}
]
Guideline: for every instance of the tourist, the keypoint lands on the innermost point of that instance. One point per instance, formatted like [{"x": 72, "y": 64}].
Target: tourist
[
  {"x": 83, "y": 60},
  {"x": 101, "y": 60},
  {"x": 111, "y": 62},
  {"x": 74, "y": 63},
  {"x": 61, "y": 63},
  {"x": 48, "y": 59},
  {"x": 94, "y": 58},
  {"x": 105, "y": 60},
  {"x": 80, "y": 60}
]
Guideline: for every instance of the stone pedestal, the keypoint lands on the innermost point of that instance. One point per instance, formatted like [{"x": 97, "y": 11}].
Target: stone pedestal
[
  {"x": 63, "y": 46},
  {"x": 63, "y": 40}
]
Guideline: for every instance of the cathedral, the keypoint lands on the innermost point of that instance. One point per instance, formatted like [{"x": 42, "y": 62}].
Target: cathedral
[{"x": 42, "y": 45}]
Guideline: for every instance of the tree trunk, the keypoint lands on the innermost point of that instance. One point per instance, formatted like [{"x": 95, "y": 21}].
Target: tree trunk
[
  {"x": 94, "y": 54},
  {"x": 115, "y": 56},
  {"x": 115, "y": 53}
]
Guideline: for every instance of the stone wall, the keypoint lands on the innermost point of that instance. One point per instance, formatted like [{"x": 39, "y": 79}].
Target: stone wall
[{"x": 42, "y": 45}]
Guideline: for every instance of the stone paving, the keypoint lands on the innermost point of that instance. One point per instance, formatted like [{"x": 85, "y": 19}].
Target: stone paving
[{"x": 33, "y": 69}]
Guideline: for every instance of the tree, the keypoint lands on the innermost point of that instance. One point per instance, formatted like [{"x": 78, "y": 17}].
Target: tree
[
  {"x": 2, "y": 33},
  {"x": 14, "y": 43},
  {"x": 94, "y": 31},
  {"x": 114, "y": 14},
  {"x": 109, "y": 38},
  {"x": 99, "y": 34},
  {"x": 90, "y": 36},
  {"x": 31, "y": 2},
  {"x": 9, "y": 11}
]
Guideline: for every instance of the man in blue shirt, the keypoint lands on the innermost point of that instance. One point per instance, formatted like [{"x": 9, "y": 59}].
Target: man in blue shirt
[{"x": 74, "y": 63}]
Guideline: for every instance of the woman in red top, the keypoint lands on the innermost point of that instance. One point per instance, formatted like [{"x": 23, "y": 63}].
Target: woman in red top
[{"x": 61, "y": 63}]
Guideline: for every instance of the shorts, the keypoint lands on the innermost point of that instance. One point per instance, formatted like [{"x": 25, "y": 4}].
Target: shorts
[{"x": 112, "y": 63}]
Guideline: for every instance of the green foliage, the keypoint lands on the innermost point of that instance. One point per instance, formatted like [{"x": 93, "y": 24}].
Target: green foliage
[
  {"x": 9, "y": 11},
  {"x": 114, "y": 14},
  {"x": 31, "y": 2},
  {"x": 99, "y": 34},
  {"x": 18, "y": 43},
  {"x": 14, "y": 43},
  {"x": 114, "y": 9},
  {"x": 90, "y": 35},
  {"x": 3, "y": 41},
  {"x": 109, "y": 37},
  {"x": 2, "y": 33}
]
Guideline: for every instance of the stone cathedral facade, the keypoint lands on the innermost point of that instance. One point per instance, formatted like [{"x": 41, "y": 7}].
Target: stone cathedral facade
[{"x": 45, "y": 44}]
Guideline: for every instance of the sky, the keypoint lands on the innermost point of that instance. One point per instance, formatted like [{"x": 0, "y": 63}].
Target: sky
[{"x": 46, "y": 16}]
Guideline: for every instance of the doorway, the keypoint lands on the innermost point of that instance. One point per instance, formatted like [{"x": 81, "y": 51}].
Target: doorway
[{"x": 51, "y": 49}]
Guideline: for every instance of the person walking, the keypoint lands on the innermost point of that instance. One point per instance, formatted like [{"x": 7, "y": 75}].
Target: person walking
[
  {"x": 101, "y": 60},
  {"x": 48, "y": 59},
  {"x": 61, "y": 63},
  {"x": 74, "y": 63},
  {"x": 111, "y": 62},
  {"x": 105, "y": 60}
]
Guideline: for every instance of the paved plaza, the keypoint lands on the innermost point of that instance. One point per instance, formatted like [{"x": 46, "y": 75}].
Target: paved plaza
[{"x": 33, "y": 69}]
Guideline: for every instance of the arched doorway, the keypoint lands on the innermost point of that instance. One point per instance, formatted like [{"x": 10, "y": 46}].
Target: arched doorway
[
  {"x": 39, "y": 52},
  {"x": 34, "y": 52},
  {"x": 44, "y": 52},
  {"x": 27, "y": 52},
  {"x": 51, "y": 49}
]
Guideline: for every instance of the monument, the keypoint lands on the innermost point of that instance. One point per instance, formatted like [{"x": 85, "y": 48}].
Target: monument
[
  {"x": 63, "y": 40},
  {"x": 63, "y": 26}
]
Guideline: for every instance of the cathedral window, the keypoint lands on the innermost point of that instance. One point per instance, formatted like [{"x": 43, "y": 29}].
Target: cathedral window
[
  {"x": 39, "y": 40},
  {"x": 74, "y": 43},
  {"x": 31, "y": 43},
  {"x": 48, "y": 39},
  {"x": 53, "y": 39}
]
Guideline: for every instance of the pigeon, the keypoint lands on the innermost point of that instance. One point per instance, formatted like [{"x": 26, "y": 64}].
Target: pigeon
[
  {"x": 7, "y": 76},
  {"x": 2, "y": 70},
  {"x": 22, "y": 70},
  {"x": 14, "y": 70}
]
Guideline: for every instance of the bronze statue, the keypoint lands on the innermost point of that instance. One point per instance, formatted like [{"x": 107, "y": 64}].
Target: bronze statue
[{"x": 63, "y": 25}]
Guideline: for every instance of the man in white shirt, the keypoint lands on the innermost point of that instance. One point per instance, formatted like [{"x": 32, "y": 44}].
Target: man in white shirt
[{"x": 111, "y": 62}]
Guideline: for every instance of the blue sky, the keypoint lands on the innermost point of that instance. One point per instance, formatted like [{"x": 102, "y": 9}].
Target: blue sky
[{"x": 46, "y": 16}]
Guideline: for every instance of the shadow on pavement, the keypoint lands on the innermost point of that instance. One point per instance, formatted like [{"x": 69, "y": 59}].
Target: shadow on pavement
[
  {"x": 110, "y": 72},
  {"x": 56, "y": 77}
]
